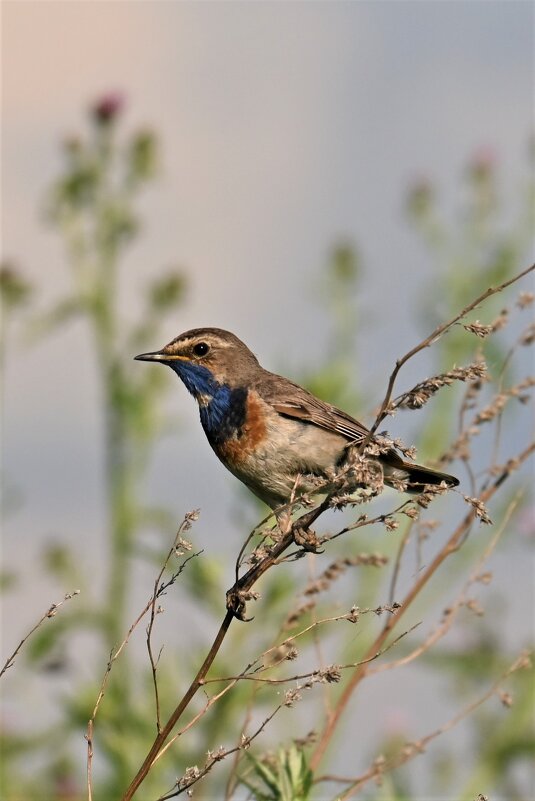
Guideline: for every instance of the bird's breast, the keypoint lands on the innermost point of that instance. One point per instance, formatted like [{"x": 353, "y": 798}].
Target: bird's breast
[
  {"x": 240, "y": 430},
  {"x": 268, "y": 451}
]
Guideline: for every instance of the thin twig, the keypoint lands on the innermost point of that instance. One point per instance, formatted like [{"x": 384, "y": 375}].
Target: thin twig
[
  {"x": 318, "y": 646},
  {"x": 431, "y": 339},
  {"x": 450, "y": 547},
  {"x": 182, "y": 705},
  {"x": 236, "y": 606},
  {"x": 210, "y": 702},
  {"x": 251, "y": 672},
  {"x": 451, "y": 612},
  {"x": 365, "y": 521},
  {"x": 317, "y": 673},
  {"x": 157, "y": 592},
  {"x": 219, "y": 755},
  {"x": 413, "y": 749},
  {"x": 241, "y": 592},
  {"x": 50, "y": 613},
  {"x": 245, "y": 741},
  {"x": 114, "y": 655},
  {"x": 89, "y": 738},
  {"x": 399, "y": 556},
  {"x": 232, "y": 780}
]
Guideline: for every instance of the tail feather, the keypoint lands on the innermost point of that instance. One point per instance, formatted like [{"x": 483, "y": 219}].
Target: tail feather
[{"x": 396, "y": 469}]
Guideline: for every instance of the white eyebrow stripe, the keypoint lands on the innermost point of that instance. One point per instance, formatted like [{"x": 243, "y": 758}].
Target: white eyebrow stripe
[{"x": 209, "y": 339}]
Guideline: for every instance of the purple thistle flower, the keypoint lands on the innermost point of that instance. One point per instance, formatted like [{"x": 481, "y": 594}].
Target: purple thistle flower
[
  {"x": 420, "y": 196},
  {"x": 482, "y": 163},
  {"x": 108, "y": 108}
]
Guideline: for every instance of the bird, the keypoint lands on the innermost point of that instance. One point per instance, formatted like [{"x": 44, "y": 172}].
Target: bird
[{"x": 272, "y": 434}]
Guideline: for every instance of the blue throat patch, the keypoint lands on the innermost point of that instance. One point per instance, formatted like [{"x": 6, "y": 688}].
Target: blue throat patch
[{"x": 223, "y": 409}]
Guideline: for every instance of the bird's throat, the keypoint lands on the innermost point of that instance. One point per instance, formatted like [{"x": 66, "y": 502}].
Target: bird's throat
[{"x": 222, "y": 409}]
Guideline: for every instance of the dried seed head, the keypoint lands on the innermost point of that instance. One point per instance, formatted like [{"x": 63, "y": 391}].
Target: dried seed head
[
  {"x": 294, "y": 616},
  {"x": 525, "y": 299},
  {"x": 475, "y": 607},
  {"x": 479, "y": 329},
  {"x": 528, "y": 337},
  {"x": 308, "y": 739},
  {"x": 501, "y": 320},
  {"x": 407, "y": 450},
  {"x": 431, "y": 492},
  {"x": 216, "y": 756},
  {"x": 422, "y": 392},
  {"x": 479, "y": 509},
  {"x": 329, "y": 675},
  {"x": 292, "y": 696},
  {"x": 412, "y": 512},
  {"x": 191, "y": 774},
  {"x": 506, "y": 699}
]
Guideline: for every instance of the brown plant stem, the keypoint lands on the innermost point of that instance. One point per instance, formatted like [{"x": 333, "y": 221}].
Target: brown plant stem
[
  {"x": 169, "y": 726},
  {"x": 450, "y": 547},
  {"x": 239, "y": 594},
  {"x": 413, "y": 749},
  {"x": 429, "y": 340},
  {"x": 114, "y": 655},
  {"x": 50, "y": 613},
  {"x": 235, "y": 608},
  {"x": 453, "y": 609},
  {"x": 89, "y": 738}
]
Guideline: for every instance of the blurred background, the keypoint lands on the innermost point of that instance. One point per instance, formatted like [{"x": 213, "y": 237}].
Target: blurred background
[{"x": 327, "y": 181}]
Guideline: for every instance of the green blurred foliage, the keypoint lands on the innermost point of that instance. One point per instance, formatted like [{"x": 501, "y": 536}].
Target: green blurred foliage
[
  {"x": 16, "y": 295},
  {"x": 334, "y": 375},
  {"x": 284, "y": 776},
  {"x": 93, "y": 206},
  {"x": 15, "y": 290},
  {"x": 482, "y": 247}
]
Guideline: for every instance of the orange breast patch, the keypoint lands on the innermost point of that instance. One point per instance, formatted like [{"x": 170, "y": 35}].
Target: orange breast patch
[{"x": 250, "y": 435}]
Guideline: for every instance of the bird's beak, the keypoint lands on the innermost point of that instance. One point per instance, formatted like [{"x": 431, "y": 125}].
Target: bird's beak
[
  {"x": 156, "y": 356},
  {"x": 160, "y": 356}
]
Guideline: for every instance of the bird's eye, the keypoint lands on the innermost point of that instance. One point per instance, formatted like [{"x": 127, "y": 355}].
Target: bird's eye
[{"x": 201, "y": 349}]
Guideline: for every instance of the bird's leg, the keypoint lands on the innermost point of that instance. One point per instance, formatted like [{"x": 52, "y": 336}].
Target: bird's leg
[
  {"x": 242, "y": 590},
  {"x": 306, "y": 539},
  {"x": 299, "y": 532},
  {"x": 236, "y": 600},
  {"x": 302, "y": 534}
]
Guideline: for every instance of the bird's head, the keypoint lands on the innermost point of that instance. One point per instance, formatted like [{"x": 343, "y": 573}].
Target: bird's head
[{"x": 207, "y": 359}]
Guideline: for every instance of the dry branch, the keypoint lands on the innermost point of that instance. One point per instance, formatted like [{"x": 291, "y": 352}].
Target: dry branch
[
  {"x": 298, "y": 532},
  {"x": 417, "y": 747},
  {"x": 434, "y": 336},
  {"x": 50, "y": 613},
  {"x": 449, "y": 548}
]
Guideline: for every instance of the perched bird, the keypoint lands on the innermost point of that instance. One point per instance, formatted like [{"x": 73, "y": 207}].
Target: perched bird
[{"x": 268, "y": 431}]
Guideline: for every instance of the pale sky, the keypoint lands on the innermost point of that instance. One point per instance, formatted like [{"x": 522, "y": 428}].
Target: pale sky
[{"x": 284, "y": 126}]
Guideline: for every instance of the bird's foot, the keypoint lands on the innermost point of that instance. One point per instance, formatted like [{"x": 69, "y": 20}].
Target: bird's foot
[
  {"x": 236, "y": 600},
  {"x": 306, "y": 539}
]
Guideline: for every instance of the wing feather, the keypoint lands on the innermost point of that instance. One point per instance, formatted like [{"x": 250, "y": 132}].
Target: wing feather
[{"x": 291, "y": 400}]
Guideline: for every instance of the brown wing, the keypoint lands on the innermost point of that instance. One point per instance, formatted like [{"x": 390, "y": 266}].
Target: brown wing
[{"x": 291, "y": 400}]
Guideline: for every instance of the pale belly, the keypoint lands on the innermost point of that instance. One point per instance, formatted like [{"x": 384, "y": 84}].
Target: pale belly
[{"x": 291, "y": 451}]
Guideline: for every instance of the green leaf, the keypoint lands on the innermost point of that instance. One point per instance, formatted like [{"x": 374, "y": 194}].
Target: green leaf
[
  {"x": 167, "y": 292},
  {"x": 64, "y": 311},
  {"x": 142, "y": 156},
  {"x": 15, "y": 290}
]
